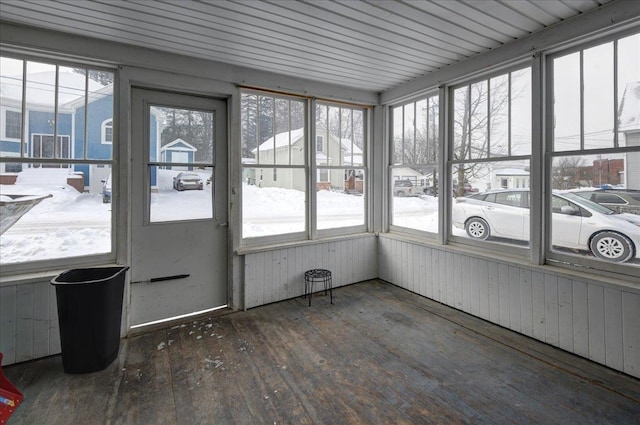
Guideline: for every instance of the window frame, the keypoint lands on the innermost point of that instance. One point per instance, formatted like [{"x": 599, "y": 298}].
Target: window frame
[
  {"x": 106, "y": 125},
  {"x": 512, "y": 250},
  {"x": 311, "y": 171},
  {"x": 554, "y": 257},
  {"x": 24, "y": 158},
  {"x": 436, "y": 166},
  {"x": 5, "y": 124}
]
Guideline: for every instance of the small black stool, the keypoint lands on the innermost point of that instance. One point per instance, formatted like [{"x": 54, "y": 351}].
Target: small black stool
[{"x": 317, "y": 275}]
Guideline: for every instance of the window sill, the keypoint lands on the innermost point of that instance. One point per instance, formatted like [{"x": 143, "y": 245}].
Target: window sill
[
  {"x": 42, "y": 276},
  {"x": 270, "y": 247}
]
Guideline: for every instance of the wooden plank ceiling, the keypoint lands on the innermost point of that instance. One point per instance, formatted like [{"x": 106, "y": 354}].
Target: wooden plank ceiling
[{"x": 371, "y": 45}]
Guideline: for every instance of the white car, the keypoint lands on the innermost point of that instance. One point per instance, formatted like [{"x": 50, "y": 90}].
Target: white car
[{"x": 577, "y": 223}]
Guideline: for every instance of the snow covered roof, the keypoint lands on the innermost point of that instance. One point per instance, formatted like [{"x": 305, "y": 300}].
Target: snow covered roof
[
  {"x": 178, "y": 145},
  {"x": 512, "y": 172},
  {"x": 40, "y": 88},
  {"x": 629, "y": 113},
  {"x": 284, "y": 138}
]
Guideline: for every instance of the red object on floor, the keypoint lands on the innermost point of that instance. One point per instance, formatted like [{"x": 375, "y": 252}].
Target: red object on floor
[{"x": 10, "y": 397}]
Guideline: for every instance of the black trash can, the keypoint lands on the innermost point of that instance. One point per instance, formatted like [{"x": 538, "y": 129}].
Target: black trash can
[{"x": 89, "y": 313}]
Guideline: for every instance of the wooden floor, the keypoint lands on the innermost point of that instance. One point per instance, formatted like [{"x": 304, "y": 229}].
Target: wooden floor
[{"x": 379, "y": 355}]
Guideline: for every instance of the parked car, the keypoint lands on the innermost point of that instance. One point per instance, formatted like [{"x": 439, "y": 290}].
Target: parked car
[
  {"x": 106, "y": 190},
  {"x": 187, "y": 181},
  {"x": 404, "y": 187},
  {"x": 578, "y": 223},
  {"x": 619, "y": 200}
]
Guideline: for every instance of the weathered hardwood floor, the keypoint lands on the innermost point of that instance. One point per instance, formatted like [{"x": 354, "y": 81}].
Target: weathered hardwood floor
[{"x": 379, "y": 355}]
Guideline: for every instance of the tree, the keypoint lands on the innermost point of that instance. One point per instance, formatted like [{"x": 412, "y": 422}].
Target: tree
[
  {"x": 103, "y": 77},
  {"x": 483, "y": 115},
  {"x": 194, "y": 127},
  {"x": 565, "y": 171},
  {"x": 264, "y": 116}
]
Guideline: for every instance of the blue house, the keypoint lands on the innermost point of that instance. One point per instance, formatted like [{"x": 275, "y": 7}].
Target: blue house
[{"x": 84, "y": 123}]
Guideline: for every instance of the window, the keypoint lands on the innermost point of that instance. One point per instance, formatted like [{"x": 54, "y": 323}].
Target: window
[
  {"x": 13, "y": 125},
  {"x": 595, "y": 144},
  {"x": 311, "y": 185},
  {"x": 57, "y": 162},
  {"x": 180, "y": 183},
  {"x": 491, "y": 150},
  {"x": 414, "y": 165},
  {"x": 107, "y": 131},
  {"x": 341, "y": 168},
  {"x": 274, "y": 138}
]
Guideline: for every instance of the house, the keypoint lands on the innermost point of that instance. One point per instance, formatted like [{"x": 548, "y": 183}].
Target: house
[
  {"x": 178, "y": 151},
  {"x": 306, "y": 104},
  {"x": 70, "y": 111},
  {"x": 330, "y": 150},
  {"x": 629, "y": 125}
]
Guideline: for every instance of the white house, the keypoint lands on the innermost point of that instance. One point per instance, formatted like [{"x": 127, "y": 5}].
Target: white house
[
  {"x": 287, "y": 148},
  {"x": 629, "y": 125}
]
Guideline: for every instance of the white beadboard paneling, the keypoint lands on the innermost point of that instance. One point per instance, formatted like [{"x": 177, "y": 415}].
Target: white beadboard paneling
[
  {"x": 538, "y": 306},
  {"x": 24, "y": 322},
  {"x": 580, "y": 304},
  {"x": 503, "y": 279},
  {"x": 41, "y": 325},
  {"x": 597, "y": 321},
  {"x": 8, "y": 319},
  {"x": 595, "y": 300},
  {"x": 565, "y": 313},
  {"x": 515, "y": 319},
  {"x": 278, "y": 274},
  {"x": 494, "y": 293},
  {"x": 28, "y": 321},
  {"x": 613, "y": 328},
  {"x": 552, "y": 310},
  {"x": 631, "y": 333},
  {"x": 482, "y": 292},
  {"x": 526, "y": 302}
]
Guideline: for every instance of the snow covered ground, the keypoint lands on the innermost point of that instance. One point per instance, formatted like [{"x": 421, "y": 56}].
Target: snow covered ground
[{"x": 74, "y": 224}]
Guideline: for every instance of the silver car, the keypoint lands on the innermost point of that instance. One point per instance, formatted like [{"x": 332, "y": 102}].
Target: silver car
[
  {"x": 186, "y": 181},
  {"x": 577, "y": 222}
]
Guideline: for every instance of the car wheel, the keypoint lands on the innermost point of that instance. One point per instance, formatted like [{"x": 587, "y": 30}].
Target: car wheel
[
  {"x": 477, "y": 228},
  {"x": 611, "y": 246}
]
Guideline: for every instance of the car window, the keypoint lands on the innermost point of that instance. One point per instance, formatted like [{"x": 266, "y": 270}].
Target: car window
[
  {"x": 608, "y": 198},
  {"x": 635, "y": 196},
  {"x": 558, "y": 203},
  {"x": 512, "y": 199},
  {"x": 588, "y": 203}
]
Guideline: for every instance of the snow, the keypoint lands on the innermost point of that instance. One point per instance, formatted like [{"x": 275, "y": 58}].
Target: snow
[
  {"x": 74, "y": 224},
  {"x": 67, "y": 224}
]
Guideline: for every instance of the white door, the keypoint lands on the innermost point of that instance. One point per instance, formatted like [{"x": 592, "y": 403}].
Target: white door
[{"x": 178, "y": 238}]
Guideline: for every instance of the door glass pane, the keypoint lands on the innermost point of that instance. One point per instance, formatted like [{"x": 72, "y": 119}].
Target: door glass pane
[
  {"x": 181, "y": 136},
  {"x": 180, "y": 175},
  {"x": 180, "y": 193}
]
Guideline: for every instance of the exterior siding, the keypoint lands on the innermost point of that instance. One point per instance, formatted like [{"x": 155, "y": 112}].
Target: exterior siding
[{"x": 591, "y": 319}]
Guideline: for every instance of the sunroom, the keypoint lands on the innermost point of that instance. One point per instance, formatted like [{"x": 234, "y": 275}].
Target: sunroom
[{"x": 292, "y": 123}]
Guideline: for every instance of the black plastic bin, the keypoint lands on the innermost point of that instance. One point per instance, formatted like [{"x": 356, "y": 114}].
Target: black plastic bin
[{"x": 89, "y": 313}]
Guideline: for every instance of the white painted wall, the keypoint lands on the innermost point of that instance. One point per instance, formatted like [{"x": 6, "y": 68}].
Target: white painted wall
[
  {"x": 585, "y": 316},
  {"x": 28, "y": 321},
  {"x": 278, "y": 274}
]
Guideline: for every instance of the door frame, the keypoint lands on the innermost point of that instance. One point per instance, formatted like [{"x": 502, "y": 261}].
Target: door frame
[{"x": 129, "y": 77}]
